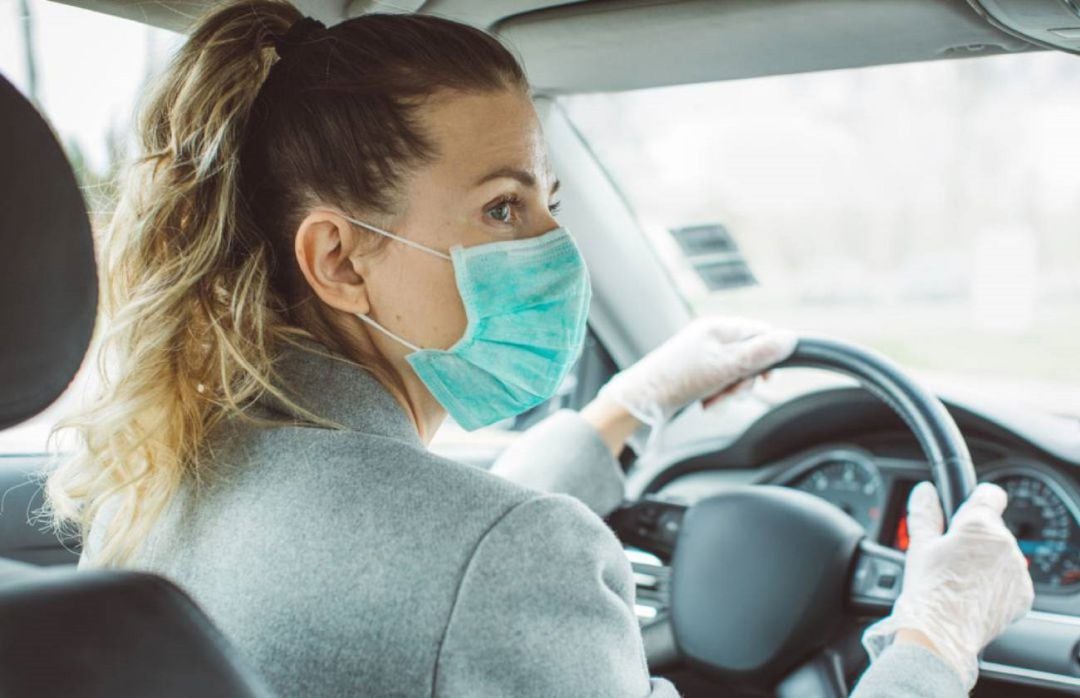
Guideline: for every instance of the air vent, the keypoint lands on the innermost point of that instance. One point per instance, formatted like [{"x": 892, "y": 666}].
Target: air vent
[
  {"x": 651, "y": 579},
  {"x": 712, "y": 252}
]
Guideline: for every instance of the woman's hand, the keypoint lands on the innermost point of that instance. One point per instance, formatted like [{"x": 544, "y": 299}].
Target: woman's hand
[
  {"x": 708, "y": 359},
  {"x": 961, "y": 588},
  {"x": 702, "y": 360}
]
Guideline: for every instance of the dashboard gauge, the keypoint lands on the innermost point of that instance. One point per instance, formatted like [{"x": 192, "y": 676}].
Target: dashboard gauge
[
  {"x": 1044, "y": 520},
  {"x": 852, "y": 483}
]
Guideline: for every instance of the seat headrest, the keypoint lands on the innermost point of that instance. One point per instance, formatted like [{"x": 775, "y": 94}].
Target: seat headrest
[{"x": 48, "y": 282}]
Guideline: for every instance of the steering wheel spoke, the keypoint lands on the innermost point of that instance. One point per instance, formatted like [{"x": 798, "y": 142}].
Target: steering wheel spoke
[
  {"x": 649, "y": 524},
  {"x": 876, "y": 578}
]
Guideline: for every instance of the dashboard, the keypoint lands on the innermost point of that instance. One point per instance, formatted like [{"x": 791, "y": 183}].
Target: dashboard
[{"x": 848, "y": 449}]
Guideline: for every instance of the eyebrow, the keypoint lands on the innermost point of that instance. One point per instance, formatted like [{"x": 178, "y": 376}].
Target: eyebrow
[{"x": 513, "y": 173}]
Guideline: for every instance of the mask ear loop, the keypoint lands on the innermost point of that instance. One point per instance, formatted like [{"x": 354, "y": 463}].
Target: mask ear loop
[
  {"x": 400, "y": 239},
  {"x": 387, "y": 332}
]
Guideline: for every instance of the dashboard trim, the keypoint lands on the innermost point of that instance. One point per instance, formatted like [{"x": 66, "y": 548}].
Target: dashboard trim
[
  {"x": 1043, "y": 679},
  {"x": 1053, "y": 618}
]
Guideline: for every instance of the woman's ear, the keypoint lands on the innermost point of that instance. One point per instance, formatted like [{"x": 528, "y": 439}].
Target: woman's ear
[{"x": 328, "y": 250}]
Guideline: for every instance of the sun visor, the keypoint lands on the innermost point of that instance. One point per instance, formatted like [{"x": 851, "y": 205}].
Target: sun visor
[
  {"x": 1049, "y": 23},
  {"x": 48, "y": 282}
]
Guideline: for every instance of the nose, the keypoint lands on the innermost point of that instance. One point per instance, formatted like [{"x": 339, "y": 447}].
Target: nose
[{"x": 546, "y": 223}]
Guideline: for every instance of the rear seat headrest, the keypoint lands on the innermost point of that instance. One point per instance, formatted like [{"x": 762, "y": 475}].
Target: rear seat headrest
[{"x": 48, "y": 282}]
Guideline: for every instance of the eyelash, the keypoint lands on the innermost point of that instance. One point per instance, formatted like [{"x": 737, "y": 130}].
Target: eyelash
[{"x": 514, "y": 200}]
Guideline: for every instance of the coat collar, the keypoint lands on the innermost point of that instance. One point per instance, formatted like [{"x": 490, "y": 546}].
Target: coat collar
[{"x": 336, "y": 388}]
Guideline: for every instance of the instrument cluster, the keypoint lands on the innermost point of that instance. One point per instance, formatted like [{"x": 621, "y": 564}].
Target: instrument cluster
[{"x": 1043, "y": 510}]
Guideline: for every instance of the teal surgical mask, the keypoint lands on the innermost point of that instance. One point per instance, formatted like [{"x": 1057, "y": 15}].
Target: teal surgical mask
[{"x": 527, "y": 302}]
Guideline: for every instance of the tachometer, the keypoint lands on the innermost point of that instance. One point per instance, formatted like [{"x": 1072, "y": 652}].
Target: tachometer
[
  {"x": 1044, "y": 520},
  {"x": 849, "y": 481}
]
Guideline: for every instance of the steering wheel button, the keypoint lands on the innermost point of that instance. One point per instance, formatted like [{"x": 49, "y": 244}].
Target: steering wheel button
[
  {"x": 649, "y": 513},
  {"x": 876, "y": 581}
]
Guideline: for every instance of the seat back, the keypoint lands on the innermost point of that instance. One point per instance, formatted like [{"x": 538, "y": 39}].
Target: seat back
[{"x": 98, "y": 634}]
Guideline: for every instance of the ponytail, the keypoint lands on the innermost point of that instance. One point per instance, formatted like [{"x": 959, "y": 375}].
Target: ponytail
[{"x": 182, "y": 310}]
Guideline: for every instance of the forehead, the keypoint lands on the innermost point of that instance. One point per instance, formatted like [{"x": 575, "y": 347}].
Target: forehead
[{"x": 477, "y": 133}]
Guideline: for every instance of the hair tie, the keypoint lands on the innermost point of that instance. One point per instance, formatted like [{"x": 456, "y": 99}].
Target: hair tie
[{"x": 301, "y": 32}]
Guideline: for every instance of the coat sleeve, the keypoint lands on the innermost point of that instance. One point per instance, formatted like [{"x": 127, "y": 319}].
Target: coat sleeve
[
  {"x": 545, "y": 608},
  {"x": 907, "y": 670},
  {"x": 564, "y": 454}
]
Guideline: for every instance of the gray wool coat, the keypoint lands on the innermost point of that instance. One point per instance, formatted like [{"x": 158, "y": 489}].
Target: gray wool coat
[{"x": 355, "y": 562}]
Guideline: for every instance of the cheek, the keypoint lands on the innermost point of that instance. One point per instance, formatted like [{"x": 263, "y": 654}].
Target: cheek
[{"x": 415, "y": 296}]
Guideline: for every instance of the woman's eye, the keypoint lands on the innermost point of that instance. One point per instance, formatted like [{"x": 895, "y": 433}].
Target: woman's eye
[{"x": 501, "y": 212}]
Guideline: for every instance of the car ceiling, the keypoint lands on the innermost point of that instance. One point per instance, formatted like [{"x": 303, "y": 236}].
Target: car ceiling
[{"x": 606, "y": 45}]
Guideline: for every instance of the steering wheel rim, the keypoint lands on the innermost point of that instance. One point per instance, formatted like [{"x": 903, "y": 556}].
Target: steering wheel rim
[{"x": 705, "y": 563}]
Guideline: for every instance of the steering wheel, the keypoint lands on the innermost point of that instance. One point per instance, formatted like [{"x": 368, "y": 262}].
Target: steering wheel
[{"x": 764, "y": 577}]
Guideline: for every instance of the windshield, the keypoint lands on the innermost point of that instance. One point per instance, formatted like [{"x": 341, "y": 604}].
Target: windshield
[{"x": 928, "y": 210}]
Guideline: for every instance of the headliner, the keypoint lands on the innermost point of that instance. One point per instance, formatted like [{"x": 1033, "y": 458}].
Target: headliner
[{"x": 603, "y": 45}]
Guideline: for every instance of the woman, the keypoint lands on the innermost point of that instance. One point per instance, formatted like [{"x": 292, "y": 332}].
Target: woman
[{"x": 317, "y": 258}]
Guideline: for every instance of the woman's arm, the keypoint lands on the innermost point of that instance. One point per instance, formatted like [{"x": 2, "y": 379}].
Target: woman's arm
[
  {"x": 612, "y": 422},
  {"x": 909, "y": 670},
  {"x": 565, "y": 454},
  {"x": 545, "y": 608}
]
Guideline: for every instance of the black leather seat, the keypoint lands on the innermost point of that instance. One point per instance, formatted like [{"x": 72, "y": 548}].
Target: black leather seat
[
  {"x": 94, "y": 634},
  {"x": 63, "y": 632}
]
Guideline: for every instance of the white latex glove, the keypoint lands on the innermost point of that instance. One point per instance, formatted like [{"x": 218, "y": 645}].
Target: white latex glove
[
  {"x": 961, "y": 588},
  {"x": 707, "y": 357}
]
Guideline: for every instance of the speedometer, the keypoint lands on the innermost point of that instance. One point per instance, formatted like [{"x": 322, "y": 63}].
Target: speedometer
[
  {"x": 849, "y": 481},
  {"x": 1044, "y": 519}
]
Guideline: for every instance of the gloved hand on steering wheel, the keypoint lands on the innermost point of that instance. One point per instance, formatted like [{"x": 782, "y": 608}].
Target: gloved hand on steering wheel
[
  {"x": 709, "y": 357},
  {"x": 961, "y": 588}
]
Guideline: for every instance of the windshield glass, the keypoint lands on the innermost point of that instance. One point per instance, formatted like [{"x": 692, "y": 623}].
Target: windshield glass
[{"x": 928, "y": 210}]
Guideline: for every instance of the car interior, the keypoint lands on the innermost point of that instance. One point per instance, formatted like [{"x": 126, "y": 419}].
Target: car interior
[{"x": 858, "y": 439}]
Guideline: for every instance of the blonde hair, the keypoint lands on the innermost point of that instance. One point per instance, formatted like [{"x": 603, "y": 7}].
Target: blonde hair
[{"x": 199, "y": 289}]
